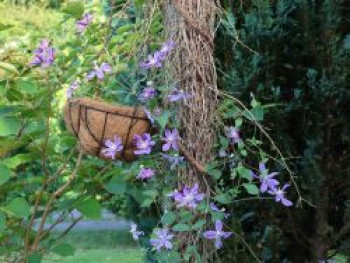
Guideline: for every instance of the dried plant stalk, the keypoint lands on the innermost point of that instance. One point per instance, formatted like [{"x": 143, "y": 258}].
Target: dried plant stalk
[{"x": 191, "y": 23}]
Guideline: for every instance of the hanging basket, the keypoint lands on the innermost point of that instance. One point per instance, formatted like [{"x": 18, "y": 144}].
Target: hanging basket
[{"x": 94, "y": 121}]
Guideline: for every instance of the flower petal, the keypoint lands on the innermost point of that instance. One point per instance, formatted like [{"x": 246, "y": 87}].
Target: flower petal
[
  {"x": 209, "y": 234},
  {"x": 218, "y": 243},
  {"x": 218, "y": 225},
  {"x": 286, "y": 202}
]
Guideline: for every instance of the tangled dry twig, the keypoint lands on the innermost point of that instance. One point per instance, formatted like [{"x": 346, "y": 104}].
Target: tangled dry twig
[{"x": 191, "y": 23}]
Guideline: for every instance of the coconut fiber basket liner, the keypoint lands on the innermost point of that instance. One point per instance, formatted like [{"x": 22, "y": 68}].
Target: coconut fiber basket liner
[{"x": 93, "y": 122}]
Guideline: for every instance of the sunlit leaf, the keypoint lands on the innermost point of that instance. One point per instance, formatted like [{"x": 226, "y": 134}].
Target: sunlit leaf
[
  {"x": 5, "y": 174},
  {"x": 18, "y": 207},
  {"x": 15, "y": 161},
  {"x": 9, "y": 126},
  {"x": 9, "y": 67},
  {"x": 74, "y": 8},
  {"x": 90, "y": 208}
]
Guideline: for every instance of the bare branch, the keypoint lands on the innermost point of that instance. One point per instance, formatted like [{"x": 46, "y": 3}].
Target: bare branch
[{"x": 57, "y": 193}]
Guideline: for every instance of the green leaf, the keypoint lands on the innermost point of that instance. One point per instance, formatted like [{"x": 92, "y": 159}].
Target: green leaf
[
  {"x": 224, "y": 142},
  {"x": 181, "y": 228},
  {"x": 223, "y": 198},
  {"x": 119, "y": 68},
  {"x": 238, "y": 122},
  {"x": 64, "y": 250},
  {"x": 255, "y": 114},
  {"x": 136, "y": 193},
  {"x": 251, "y": 189},
  {"x": 116, "y": 185},
  {"x": 2, "y": 222},
  {"x": 168, "y": 218},
  {"x": 147, "y": 202},
  {"x": 216, "y": 215},
  {"x": 186, "y": 216},
  {"x": 18, "y": 207},
  {"x": 199, "y": 224},
  {"x": 125, "y": 28},
  {"x": 9, "y": 68},
  {"x": 90, "y": 208},
  {"x": 244, "y": 153},
  {"x": 26, "y": 86},
  {"x": 139, "y": 3},
  {"x": 163, "y": 119},
  {"x": 215, "y": 173},
  {"x": 5, "y": 174},
  {"x": 244, "y": 173},
  {"x": 258, "y": 113},
  {"x": 74, "y": 8},
  {"x": 203, "y": 206},
  {"x": 150, "y": 193},
  {"x": 15, "y": 161},
  {"x": 8, "y": 110},
  {"x": 9, "y": 126},
  {"x": 35, "y": 257}
]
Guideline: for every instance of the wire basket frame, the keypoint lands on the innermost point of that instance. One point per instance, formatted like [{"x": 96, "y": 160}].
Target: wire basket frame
[{"x": 93, "y": 122}]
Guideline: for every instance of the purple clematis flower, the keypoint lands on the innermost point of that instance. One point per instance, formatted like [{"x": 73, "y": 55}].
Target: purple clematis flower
[
  {"x": 84, "y": 22},
  {"x": 99, "y": 71},
  {"x": 233, "y": 134},
  {"x": 188, "y": 197},
  {"x": 167, "y": 47},
  {"x": 217, "y": 234},
  {"x": 147, "y": 94},
  {"x": 44, "y": 55},
  {"x": 171, "y": 140},
  {"x": 135, "y": 233},
  {"x": 163, "y": 239},
  {"x": 112, "y": 147},
  {"x": 145, "y": 173},
  {"x": 150, "y": 115},
  {"x": 173, "y": 160},
  {"x": 153, "y": 61},
  {"x": 178, "y": 95},
  {"x": 143, "y": 143},
  {"x": 279, "y": 195},
  {"x": 267, "y": 181},
  {"x": 75, "y": 85}
]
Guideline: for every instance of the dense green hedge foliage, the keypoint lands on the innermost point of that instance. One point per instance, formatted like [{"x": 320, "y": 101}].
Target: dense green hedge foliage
[{"x": 295, "y": 56}]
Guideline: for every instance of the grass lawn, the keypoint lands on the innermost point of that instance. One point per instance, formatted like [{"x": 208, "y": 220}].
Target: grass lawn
[
  {"x": 100, "y": 247},
  {"x": 27, "y": 20},
  {"x": 100, "y": 255},
  {"x": 100, "y": 239}
]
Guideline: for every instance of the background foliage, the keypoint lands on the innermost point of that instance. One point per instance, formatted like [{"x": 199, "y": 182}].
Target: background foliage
[
  {"x": 291, "y": 58},
  {"x": 295, "y": 56}
]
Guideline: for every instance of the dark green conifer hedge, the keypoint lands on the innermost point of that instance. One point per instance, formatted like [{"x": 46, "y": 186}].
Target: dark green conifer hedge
[{"x": 295, "y": 56}]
